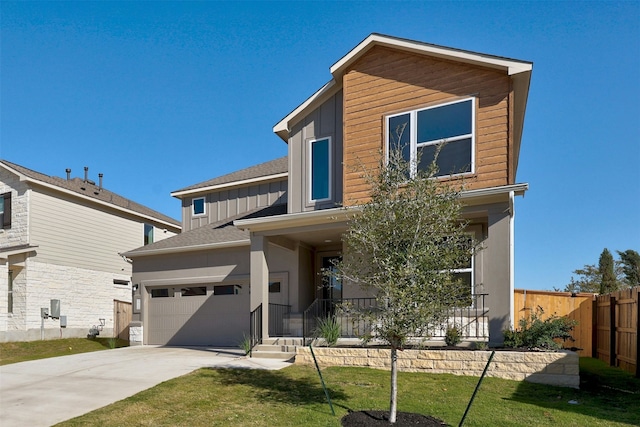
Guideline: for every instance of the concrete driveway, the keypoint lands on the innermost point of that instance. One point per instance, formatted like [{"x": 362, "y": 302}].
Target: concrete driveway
[{"x": 48, "y": 391}]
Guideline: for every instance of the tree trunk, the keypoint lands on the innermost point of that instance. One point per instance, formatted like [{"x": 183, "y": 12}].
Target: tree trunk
[{"x": 394, "y": 385}]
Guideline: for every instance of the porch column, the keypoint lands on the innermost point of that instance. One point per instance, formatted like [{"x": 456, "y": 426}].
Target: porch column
[
  {"x": 497, "y": 278},
  {"x": 260, "y": 279}
]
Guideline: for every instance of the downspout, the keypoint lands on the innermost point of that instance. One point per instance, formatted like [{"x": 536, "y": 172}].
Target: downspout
[{"x": 512, "y": 215}]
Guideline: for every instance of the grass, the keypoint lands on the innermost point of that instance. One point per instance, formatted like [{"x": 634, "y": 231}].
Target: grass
[
  {"x": 294, "y": 396},
  {"x": 14, "y": 352}
]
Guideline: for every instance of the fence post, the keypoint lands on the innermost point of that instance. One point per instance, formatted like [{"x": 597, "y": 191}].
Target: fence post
[
  {"x": 638, "y": 334},
  {"x": 594, "y": 327},
  {"x": 612, "y": 331}
]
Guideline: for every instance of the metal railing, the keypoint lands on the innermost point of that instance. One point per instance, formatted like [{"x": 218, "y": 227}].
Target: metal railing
[
  {"x": 472, "y": 321},
  {"x": 255, "y": 327},
  {"x": 279, "y": 320}
]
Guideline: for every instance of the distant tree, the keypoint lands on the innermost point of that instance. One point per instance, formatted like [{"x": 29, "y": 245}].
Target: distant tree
[
  {"x": 630, "y": 262},
  {"x": 606, "y": 267},
  {"x": 405, "y": 246},
  {"x": 588, "y": 280}
]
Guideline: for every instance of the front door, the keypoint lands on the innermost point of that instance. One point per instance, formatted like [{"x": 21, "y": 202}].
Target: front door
[{"x": 331, "y": 286}]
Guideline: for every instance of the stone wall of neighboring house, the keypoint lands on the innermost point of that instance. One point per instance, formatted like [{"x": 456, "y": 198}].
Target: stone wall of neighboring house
[
  {"x": 85, "y": 297},
  {"x": 552, "y": 368},
  {"x": 18, "y": 233}
]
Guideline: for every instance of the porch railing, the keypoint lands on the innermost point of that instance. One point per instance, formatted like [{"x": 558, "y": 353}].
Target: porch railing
[
  {"x": 472, "y": 321},
  {"x": 255, "y": 327},
  {"x": 279, "y": 315}
]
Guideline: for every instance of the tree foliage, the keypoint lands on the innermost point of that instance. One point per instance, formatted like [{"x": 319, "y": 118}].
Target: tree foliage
[
  {"x": 608, "y": 280},
  {"x": 604, "y": 278},
  {"x": 405, "y": 245}
]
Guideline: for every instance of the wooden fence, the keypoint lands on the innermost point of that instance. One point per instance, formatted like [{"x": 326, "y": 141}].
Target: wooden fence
[
  {"x": 618, "y": 322},
  {"x": 578, "y": 306},
  {"x": 594, "y": 336}
]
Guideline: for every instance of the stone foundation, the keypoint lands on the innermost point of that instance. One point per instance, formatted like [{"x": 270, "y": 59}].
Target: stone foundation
[{"x": 552, "y": 368}]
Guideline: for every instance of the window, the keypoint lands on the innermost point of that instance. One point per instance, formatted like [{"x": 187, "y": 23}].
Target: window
[
  {"x": 5, "y": 210},
  {"x": 148, "y": 234},
  {"x": 227, "y": 290},
  {"x": 199, "y": 206},
  {"x": 320, "y": 169},
  {"x": 274, "y": 287},
  {"x": 10, "y": 293},
  {"x": 194, "y": 291},
  {"x": 160, "y": 293},
  {"x": 463, "y": 274},
  {"x": 449, "y": 128}
]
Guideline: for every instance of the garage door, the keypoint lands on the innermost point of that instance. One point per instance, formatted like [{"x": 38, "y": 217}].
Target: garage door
[{"x": 207, "y": 315}]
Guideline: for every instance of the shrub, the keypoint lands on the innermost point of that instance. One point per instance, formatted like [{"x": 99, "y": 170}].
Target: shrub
[
  {"x": 537, "y": 333},
  {"x": 329, "y": 329},
  {"x": 453, "y": 336}
]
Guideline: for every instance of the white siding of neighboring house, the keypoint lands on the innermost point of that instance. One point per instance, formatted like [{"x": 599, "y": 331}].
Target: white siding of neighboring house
[{"x": 76, "y": 235}]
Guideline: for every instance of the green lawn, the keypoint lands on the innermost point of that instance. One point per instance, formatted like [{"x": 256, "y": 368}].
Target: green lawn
[
  {"x": 294, "y": 397},
  {"x": 14, "y": 352}
]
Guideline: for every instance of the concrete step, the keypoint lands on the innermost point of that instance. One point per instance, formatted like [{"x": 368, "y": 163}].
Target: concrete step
[
  {"x": 280, "y": 355},
  {"x": 282, "y": 341},
  {"x": 276, "y": 347}
]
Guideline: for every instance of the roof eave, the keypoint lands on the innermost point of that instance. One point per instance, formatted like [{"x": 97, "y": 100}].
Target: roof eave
[
  {"x": 180, "y": 193},
  {"x": 193, "y": 248}
]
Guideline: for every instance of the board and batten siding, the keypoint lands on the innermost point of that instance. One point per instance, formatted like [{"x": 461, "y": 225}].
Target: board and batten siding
[
  {"x": 227, "y": 203},
  {"x": 76, "y": 235},
  {"x": 385, "y": 81},
  {"x": 324, "y": 121}
]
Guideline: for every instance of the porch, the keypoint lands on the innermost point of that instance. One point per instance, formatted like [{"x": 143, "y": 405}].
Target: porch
[{"x": 288, "y": 329}]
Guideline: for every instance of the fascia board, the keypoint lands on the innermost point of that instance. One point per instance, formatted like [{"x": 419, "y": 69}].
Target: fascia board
[
  {"x": 484, "y": 193},
  {"x": 283, "y": 127},
  {"x": 164, "y": 251},
  {"x": 230, "y": 184},
  {"x": 511, "y": 66},
  {"x": 24, "y": 178},
  {"x": 300, "y": 219}
]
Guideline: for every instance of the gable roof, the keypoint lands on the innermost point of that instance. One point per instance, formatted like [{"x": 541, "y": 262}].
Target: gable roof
[
  {"x": 210, "y": 236},
  {"x": 520, "y": 72},
  {"x": 271, "y": 170},
  {"x": 88, "y": 191}
]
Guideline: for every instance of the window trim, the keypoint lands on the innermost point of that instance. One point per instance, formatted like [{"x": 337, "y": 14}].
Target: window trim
[
  {"x": 193, "y": 206},
  {"x": 6, "y": 210},
  {"x": 310, "y": 143},
  {"x": 413, "y": 137},
  {"x": 148, "y": 233}
]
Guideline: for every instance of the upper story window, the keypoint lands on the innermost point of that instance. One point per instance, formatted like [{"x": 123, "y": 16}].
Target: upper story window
[
  {"x": 320, "y": 169},
  {"x": 5, "y": 210},
  {"x": 198, "y": 206},
  {"x": 448, "y": 127},
  {"x": 148, "y": 234}
]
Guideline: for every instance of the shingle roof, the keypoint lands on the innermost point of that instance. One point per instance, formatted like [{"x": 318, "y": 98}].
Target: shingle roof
[
  {"x": 211, "y": 234},
  {"x": 92, "y": 191},
  {"x": 273, "y": 167}
]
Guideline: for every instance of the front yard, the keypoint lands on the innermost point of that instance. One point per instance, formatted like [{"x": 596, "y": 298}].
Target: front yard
[{"x": 294, "y": 397}]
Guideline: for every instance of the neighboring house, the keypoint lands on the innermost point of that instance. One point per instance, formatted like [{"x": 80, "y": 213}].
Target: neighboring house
[
  {"x": 256, "y": 241},
  {"x": 60, "y": 248}
]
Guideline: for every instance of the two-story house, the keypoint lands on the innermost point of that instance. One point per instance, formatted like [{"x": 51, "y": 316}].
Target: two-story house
[
  {"x": 256, "y": 241},
  {"x": 61, "y": 242}
]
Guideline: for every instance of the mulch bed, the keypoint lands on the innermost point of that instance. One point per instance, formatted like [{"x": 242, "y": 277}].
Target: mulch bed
[{"x": 381, "y": 418}]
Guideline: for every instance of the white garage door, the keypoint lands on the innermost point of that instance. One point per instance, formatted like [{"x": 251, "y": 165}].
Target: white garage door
[{"x": 198, "y": 315}]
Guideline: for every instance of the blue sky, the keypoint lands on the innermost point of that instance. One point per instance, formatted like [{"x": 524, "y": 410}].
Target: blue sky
[{"x": 159, "y": 96}]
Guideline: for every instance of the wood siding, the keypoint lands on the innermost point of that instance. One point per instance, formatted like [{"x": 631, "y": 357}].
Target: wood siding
[
  {"x": 232, "y": 201},
  {"x": 324, "y": 121},
  {"x": 77, "y": 235},
  {"x": 386, "y": 81}
]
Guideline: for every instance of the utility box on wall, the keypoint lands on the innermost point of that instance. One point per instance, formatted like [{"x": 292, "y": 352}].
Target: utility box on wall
[
  {"x": 63, "y": 321},
  {"x": 55, "y": 309}
]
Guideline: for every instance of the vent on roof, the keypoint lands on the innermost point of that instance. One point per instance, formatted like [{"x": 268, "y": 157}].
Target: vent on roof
[{"x": 68, "y": 171}]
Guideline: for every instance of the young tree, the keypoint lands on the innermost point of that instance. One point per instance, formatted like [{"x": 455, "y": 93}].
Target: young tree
[
  {"x": 609, "y": 282},
  {"x": 404, "y": 245},
  {"x": 630, "y": 261}
]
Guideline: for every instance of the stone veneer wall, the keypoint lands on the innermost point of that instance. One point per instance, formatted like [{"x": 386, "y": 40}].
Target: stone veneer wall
[{"x": 552, "y": 368}]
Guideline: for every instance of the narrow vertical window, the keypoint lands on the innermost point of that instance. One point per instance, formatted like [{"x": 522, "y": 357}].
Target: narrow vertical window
[
  {"x": 5, "y": 210},
  {"x": 10, "y": 293},
  {"x": 148, "y": 234},
  {"x": 320, "y": 169},
  {"x": 198, "y": 206}
]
